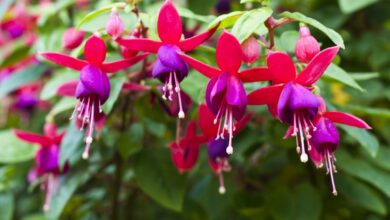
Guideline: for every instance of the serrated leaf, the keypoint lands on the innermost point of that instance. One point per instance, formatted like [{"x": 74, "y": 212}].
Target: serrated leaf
[
  {"x": 368, "y": 141},
  {"x": 350, "y": 6},
  {"x": 364, "y": 171},
  {"x": 250, "y": 22},
  {"x": 116, "y": 88},
  {"x": 7, "y": 205},
  {"x": 105, "y": 10},
  {"x": 158, "y": 178},
  {"x": 226, "y": 20},
  {"x": 337, "y": 73},
  {"x": 333, "y": 35},
  {"x": 20, "y": 78},
  {"x": 61, "y": 77},
  {"x": 13, "y": 150},
  {"x": 130, "y": 142},
  {"x": 361, "y": 194}
]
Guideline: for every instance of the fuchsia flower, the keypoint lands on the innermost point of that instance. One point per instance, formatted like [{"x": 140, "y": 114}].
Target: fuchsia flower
[
  {"x": 72, "y": 38},
  {"x": 325, "y": 138},
  {"x": 290, "y": 98},
  {"x": 307, "y": 46},
  {"x": 185, "y": 153},
  {"x": 115, "y": 26},
  {"x": 169, "y": 68},
  {"x": 217, "y": 147},
  {"x": 47, "y": 159},
  {"x": 93, "y": 89},
  {"x": 225, "y": 93}
]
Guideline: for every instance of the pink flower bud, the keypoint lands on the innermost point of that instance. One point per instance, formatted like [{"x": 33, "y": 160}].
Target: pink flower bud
[
  {"x": 72, "y": 38},
  {"x": 250, "y": 50},
  {"x": 307, "y": 46},
  {"x": 115, "y": 25}
]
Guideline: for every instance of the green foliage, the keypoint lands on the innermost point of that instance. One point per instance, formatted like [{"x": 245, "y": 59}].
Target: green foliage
[{"x": 14, "y": 150}]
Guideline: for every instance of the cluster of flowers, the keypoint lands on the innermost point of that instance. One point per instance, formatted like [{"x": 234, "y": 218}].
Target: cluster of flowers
[{"x": 289, "y": 97}]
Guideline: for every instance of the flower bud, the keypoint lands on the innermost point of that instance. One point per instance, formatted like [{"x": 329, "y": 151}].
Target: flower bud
[
  {"x": 115, "y": 25},
  {"x": 250, "y": 50},
  {"x": 72, "y": 38},
  {"x": 307, "y": 46}
]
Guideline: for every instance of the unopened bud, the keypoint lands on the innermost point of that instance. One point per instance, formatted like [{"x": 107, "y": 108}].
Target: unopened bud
[
  {"x": 307, "y": 46},
  {"x": 250, "y": 50},
  {"x": 115, "y": 25},
  {"x": 72, "y": 38}
]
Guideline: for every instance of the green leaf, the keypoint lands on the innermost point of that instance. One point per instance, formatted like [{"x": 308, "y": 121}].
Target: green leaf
[
  {"x": 3, "y": 7},
  {"x": 158, "y": 178},
  {"x": 333, "y": 35},
  {"x": 375, "y": 112},
  {"x": 195, "y": 90},
  {"x": 250, "y": 22},
  {"x": 186, "y": 13},
  {"x": 116, "y": 88},
  {"x": 64, "y": 104},
  {"x": 18, "y": 54},
  {"x": 98, "y": 22},
  {"x": 350, "y": 6},
  {"x": 130, "y": 142},
  {"x": 364, "y": 76},
  {"x": 364, "y": 171},
  {"x": 105, "y": 10},
  {"x": 368, "y": 141},
  {"x": 337, "y": 73},
  {"x": 62, "y": 76},
  {"x": 69, "y": 184},
  {"x": 21, "y": 78},
  {"x": 7, "y": 205},
  {"x": 226, "y": 20},
  {"x": 288, "y": 40},
  {"x": 13, "y": 150},
  {"x": 70, "y": 145},
  {"x": 361, "y": 194},
  {"x": 54, "y": 10}
]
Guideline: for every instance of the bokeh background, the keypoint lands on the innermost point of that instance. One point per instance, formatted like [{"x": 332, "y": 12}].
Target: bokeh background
[{"x": 130, "y": 174}]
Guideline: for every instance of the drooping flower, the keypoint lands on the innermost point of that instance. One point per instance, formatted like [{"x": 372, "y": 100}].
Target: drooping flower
[
  {"x": 72, "y": 38},
  {"x": 290, "y": 98},
  {"x": 185, "y": 152},
  {"x": 216, "y": 147},
  {"x": 47, "y": 159},
  {"x": 225, "y": 93},
  {"x": 115, "y": 25},
  {"x": 250, "y": 50},
  {"x": 325, "y": 139},
  {"x": 307, "y": 46},
  {"x": 93, "y": 89},
  {"x": 169, "y": 68}
]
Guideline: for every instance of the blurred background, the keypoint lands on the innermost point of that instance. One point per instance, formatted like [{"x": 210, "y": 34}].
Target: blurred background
[{"x": 130, "y": 174}]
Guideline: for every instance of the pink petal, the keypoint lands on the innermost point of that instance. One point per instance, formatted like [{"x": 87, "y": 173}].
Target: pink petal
[
  {"x": 266, "y": 95},
  {"x": 281, "y": 67},
  {"x": 206, "y": 121},
  {"x": 347, "y": 119},
  {"x": 32, "y": 137},
  {"x": 317, "y": 66},
  {"x": 67, "y": 89},
  {"x": 115, "y": 66},
  {"x": 65, "y": 60},
  {"x": 289, "y": 132},
  {"x": 255, "y": 74},
  {"x": 95, "y": 50},
  {"x": 135, "y": 87},
  {"x": 193, "y": 42},
  {"x": 169, "y": 24},
  {"x": 140, "y": 44},
  {"x": 228, "y": 53},
  {"x": 203, "y": 68}
]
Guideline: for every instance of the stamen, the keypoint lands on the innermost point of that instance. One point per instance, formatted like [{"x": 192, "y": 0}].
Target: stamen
[
  {"x": 222, "y": 189},
  {"x": 295, "y": 126},
  {"x": 304, "y": 157},
  {"x": 177, "y": 90},
  {"x": 330, "y": 168},
  {"x": 229, "y": 149},
  {"x": 89, "y": 139}
]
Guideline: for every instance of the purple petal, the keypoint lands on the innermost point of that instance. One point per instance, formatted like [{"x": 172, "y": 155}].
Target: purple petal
[
  {"x": 95, "y": 81},
  {"x": 26, "y": 101},
  {"x": 326, "y": 136},
  {"x": 236, "y": 97},
  {"x": 216, "y": 91},
  {"x": 168, "y": 61},
  {"x": 47, "y": 159},
  {"x": 217, "y": 149},
  {"x": 208, "y": 97}
]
